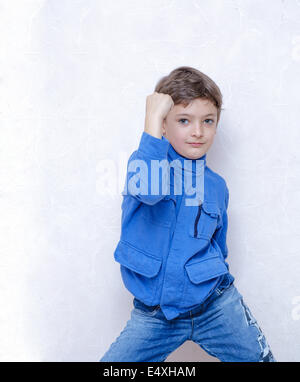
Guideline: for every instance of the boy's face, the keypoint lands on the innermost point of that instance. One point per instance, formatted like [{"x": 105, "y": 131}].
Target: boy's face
[{"x": 195, "y": 123}]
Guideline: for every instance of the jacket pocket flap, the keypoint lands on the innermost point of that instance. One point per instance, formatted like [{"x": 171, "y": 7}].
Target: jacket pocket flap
[
  {"x": 211, "y": 208},
  {"x": 136, "y": 259},
  {"x": 206, "y": 269}
]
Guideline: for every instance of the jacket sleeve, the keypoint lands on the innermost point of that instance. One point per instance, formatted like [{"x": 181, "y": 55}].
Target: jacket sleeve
[
  {"x": 140, "y": 183},
  {"x": 220, "y": 234}
]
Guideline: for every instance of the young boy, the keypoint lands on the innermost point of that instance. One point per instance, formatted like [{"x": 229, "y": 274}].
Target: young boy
[{"x": 172, "y": 248}]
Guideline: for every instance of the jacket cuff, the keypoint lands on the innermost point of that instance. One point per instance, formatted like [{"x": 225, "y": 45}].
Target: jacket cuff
[{"x": 153, "y": 147}]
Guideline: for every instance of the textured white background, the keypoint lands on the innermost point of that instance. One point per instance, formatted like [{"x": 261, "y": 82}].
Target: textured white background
[{"x": 74, "y": 78}]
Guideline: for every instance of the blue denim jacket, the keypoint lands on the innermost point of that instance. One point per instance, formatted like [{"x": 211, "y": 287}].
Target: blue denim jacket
[{"x": 172, "y": 254}]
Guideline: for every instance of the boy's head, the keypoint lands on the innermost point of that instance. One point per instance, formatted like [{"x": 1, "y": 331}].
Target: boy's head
[{"x": 199, "y": 98}]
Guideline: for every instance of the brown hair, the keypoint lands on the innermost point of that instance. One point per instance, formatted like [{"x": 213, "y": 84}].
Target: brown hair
[{"x": 185, "y": 83}]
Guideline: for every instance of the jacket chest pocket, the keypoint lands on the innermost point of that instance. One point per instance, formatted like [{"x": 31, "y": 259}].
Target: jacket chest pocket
[{"x": 206, "y": 221}]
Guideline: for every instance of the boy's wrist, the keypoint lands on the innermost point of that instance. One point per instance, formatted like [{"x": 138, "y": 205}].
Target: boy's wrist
[{"x": 153, "y": 126}]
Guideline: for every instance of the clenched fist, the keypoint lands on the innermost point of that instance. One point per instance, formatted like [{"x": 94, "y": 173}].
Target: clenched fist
[{"x": 158, "y": 106}]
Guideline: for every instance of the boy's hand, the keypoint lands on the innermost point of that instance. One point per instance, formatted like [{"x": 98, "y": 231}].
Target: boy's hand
[{"x": 158, "y": 106}]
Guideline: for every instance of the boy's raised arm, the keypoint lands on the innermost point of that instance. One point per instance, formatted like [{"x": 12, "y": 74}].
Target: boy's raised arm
[{"x": 146, "y": 184}]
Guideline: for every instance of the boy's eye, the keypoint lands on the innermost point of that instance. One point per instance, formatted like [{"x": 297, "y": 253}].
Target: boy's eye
[{"x": 183, "y": 119}]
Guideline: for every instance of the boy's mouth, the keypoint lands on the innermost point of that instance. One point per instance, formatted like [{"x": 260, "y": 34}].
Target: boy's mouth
[{"x": 195, "y": 144}]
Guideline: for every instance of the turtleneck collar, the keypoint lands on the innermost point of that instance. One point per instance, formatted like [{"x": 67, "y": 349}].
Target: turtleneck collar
[{"x": 173, "y": 154}]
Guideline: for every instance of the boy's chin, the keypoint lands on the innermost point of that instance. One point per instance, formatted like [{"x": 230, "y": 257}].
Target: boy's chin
[{"x": 194, "y": 156}]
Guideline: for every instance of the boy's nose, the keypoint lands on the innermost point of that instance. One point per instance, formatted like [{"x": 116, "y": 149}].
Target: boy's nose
[{"x": 197, "y": 131}]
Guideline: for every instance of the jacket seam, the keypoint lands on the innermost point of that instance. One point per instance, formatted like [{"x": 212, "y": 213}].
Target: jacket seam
[
  {"x": 140, "y": 250},
  {"x": 201, "y": 261},
  {"x": 210, "y": 277}
]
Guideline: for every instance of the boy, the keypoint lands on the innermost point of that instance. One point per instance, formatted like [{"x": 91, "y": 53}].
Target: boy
[{"x": 172, "y": 248}]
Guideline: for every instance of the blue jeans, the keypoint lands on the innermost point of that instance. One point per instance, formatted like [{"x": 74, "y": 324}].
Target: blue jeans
[{"x": 223, "y": 326}]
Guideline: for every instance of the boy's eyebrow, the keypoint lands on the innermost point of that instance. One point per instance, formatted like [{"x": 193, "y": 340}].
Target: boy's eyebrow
[{"x": 189, "y": 115}]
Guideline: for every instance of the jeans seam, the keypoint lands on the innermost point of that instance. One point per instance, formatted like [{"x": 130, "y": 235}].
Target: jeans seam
[{"x": 192, "y": 321}]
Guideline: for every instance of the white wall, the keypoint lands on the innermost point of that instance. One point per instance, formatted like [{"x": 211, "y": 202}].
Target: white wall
[{"x": 74, "y": 79}]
